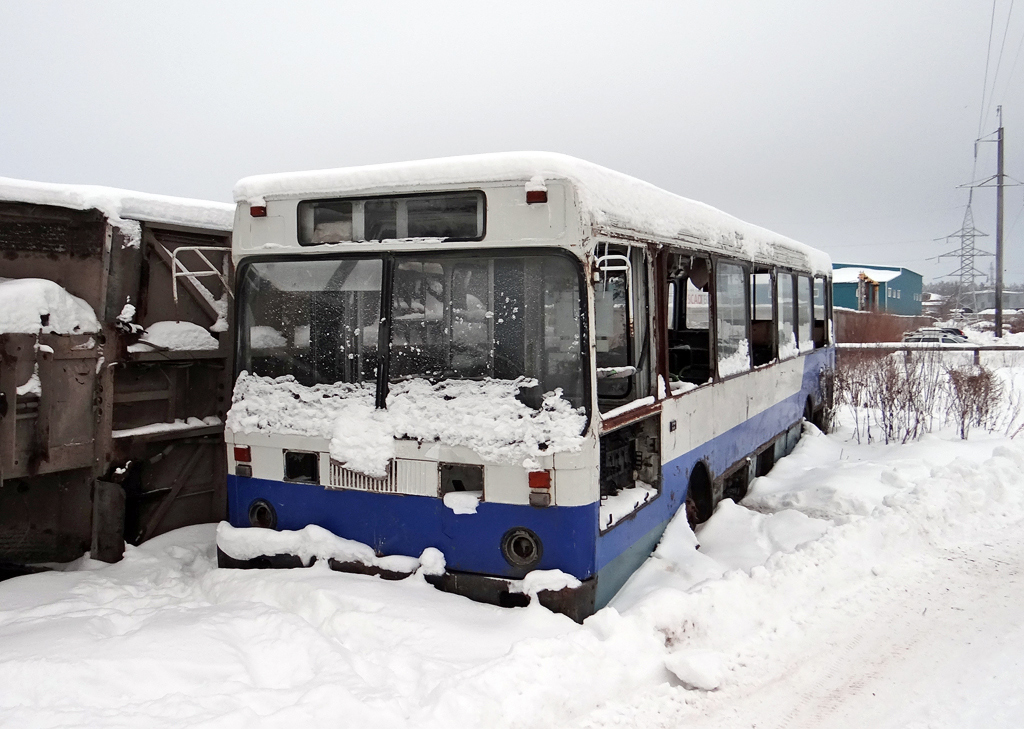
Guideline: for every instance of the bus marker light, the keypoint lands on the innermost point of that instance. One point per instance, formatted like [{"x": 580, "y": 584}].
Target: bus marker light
[
  {"x": 536, "y": 190},
  {"x": 540, "y": 479},
  {"x": 540, "y": 498},
  {"x": 243, "y": 469},
  {"x": 243, "y": 454},
  {"x": 258, "y": 211}
]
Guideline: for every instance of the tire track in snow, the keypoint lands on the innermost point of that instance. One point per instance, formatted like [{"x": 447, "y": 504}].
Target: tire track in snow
[{"x": 898, "y": 654}]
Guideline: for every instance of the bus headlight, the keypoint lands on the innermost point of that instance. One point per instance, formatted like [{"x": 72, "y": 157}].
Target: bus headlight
[
  {"x": 262, "y": 514},
  {"x": 522, "y": 548}
]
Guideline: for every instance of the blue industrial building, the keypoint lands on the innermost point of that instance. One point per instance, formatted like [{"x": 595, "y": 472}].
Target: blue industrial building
[{"x": 891, "y": 289}]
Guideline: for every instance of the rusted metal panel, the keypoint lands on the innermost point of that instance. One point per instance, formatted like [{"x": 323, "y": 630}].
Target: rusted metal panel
[
  {"x": 54, "y": 431},
  {"x": 65, "y": 246},
  {"x": 73, "y": 475}
]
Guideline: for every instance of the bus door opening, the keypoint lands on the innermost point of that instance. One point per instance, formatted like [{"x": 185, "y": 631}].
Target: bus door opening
[{"x": 630, "y": 469}]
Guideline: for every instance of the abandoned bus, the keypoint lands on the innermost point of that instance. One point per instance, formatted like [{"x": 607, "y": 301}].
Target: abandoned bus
[{"x": 524, "y": 361}]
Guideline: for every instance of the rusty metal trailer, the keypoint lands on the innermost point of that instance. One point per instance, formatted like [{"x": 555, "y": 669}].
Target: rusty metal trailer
[{"x": 114, "y": 444}]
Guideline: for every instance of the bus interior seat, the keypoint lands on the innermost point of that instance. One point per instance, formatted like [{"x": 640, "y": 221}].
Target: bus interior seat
[
  {"x": 689, "y": 355},
  {"x": 761, "y": 342}
]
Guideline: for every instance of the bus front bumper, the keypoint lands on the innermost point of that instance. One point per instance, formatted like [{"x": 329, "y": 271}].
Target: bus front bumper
[{"x": 575, "y": 602}]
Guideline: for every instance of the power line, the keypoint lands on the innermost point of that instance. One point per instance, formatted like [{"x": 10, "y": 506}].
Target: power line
[
  {"x": 999, "y": 60},
  {"x": 984, "y": 83},
  {"x": 1016, "y": 57}
]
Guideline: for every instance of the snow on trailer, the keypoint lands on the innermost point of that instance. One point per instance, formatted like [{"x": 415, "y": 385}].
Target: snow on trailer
[
  {"x": 524, "y": 361},
  {"x": 115, "y": 370}
]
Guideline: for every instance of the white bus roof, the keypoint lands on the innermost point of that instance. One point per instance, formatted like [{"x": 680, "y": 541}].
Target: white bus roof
[
  {"x": 121, "y": 204},
  {"x": 607, "y": 198}
]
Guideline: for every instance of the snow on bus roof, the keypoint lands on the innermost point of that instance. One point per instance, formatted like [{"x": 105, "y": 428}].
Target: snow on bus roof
[
  {"x": 609, "y": 198},
  {"x": 119, "y": 205}
]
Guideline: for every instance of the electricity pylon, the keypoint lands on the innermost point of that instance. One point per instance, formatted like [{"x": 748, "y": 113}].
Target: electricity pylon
[{"x": 966, "y": 253}]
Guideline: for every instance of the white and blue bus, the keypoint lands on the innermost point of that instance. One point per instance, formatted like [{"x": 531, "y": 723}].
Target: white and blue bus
[{"x": 525, "y": 361}]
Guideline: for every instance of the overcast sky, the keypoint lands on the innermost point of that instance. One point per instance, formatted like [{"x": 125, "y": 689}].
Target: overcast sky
[{"x": 846, "y": 125}]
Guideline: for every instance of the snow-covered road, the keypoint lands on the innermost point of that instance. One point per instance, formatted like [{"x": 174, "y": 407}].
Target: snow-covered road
[
  {"x": 935, "y": 641},
  {"x": 857, "y": 586}
]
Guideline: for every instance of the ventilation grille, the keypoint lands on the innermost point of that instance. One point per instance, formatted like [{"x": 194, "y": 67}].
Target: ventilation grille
[
  {"x": 417, "y": 478},
  {"x": 343, "y": 478}
]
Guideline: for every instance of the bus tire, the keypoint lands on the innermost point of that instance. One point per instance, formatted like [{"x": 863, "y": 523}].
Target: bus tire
[{"x": 698, "y": 505}]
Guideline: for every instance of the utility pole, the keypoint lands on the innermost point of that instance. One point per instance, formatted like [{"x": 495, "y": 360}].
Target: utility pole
[
  {"x": 999, "y": 224},
  {"x": 968, "y": 232}
]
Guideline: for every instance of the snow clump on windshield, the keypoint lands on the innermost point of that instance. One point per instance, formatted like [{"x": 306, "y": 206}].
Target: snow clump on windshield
[{"x": 483, "y": 415}]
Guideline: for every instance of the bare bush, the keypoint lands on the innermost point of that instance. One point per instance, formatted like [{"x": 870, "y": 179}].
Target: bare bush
[
  {"x": 903, "y": 390},
  {"x": 901, "y": 396},
  {"x": 831, "y": 399},
  {"x": 974, "y": 397}
]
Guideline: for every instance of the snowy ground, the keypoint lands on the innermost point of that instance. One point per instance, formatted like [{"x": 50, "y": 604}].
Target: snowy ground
[{"x": 857, "y": 586}]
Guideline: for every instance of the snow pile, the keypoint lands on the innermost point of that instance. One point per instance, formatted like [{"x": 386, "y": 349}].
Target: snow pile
[
  {"x": 36, "y": 305},
  {"x": 482, "y": 415},
  {"x": 788, "y": 347},
  {"x": 126, "y": 319},
  {"x": 851, "y": 274},
  {"x": 432, "y": 562},
  {"x": 463, "y": 502},
  {"x": 856, "y": 585},
  {"x": 282, "y": 405},
  {"x": 539, "y": 580},
  {"x": 177, "y": 424},
  {"x": 174, "y": 335},
  {"x": 32, "y": 386},
  {"x": 738, "y": 361},
  {"x": 614, "y": 508},
  {"x": 309, "y": 543},
  {"x": 768, "y": 534},
  {"x": 122, "y": 207},
  {"x": 697, "y": 669}
]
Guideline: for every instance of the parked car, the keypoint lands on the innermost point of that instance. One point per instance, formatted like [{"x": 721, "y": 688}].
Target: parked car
[
  {"x": 934, "y": 337},
  {"x": 943, "y": 335}
]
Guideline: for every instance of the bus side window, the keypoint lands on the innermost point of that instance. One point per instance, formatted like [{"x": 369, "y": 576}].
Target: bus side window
[
  {"x": 819, "y": 312},
  {"x": 787, "y": 314},
  {"x": 732, "y": 344},
  {"x": 762, "y": 319},
  {"x": 804, "y": 313},
  {"x": 689, "y": 336}
]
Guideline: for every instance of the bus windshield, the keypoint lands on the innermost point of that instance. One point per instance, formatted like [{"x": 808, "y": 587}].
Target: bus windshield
[{"x": 453, "y": 316}]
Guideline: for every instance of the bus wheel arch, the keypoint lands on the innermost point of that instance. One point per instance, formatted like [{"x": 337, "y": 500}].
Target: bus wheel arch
[
  {"x": 815, "y": 415},
  {"x": 699, "y": 497}
]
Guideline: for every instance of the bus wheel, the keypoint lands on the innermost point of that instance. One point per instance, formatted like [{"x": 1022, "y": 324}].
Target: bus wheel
[
  {"x": 815, "y": 417},
  {"x": 698, "y": 496}
]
